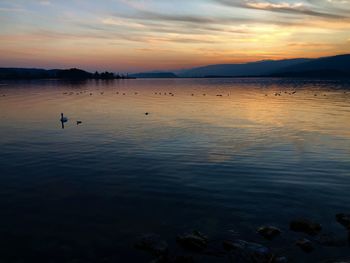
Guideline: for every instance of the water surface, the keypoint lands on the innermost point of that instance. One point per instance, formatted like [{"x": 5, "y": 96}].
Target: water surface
[{"x": 222, "y": 156}]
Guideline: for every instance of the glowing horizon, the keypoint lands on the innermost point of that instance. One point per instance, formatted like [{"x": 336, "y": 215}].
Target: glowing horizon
[{"x": 133, "y": 36}]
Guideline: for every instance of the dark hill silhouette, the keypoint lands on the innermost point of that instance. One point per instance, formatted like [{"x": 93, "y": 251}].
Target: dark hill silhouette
[
  {"x": 247, "y": 69},
  {"x": 336, "y": 66},
  {"x": 21, "y": 73},
  {"x": 154, "y": 75},
  {"x": 74, "y": 73}
]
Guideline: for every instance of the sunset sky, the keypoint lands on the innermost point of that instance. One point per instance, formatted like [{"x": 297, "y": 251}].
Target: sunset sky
[{"x": 142, "y": 35}]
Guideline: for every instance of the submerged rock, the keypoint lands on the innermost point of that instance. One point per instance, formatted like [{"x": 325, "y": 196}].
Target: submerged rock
[
  {"x": 195, "y": 241},
  {"x": 330, "y": 240},
  {"x": 183, "y": 259},
  {"x": 305, "y": 245},
  {"x": 344, "y": 220},
  {"x": 176, "y": 259},
  {"x": 160, "y": 259},
  {"x": 269, "y": 232},
  {"x": 305, "y": 226},
  {"x": 280, "y": 260},
  {"x": 152, "y": 243},
  {"x": 242, "y": 251}
]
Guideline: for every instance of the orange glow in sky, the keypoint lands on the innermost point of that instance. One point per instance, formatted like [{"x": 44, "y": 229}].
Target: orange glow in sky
[{"x": 141, "y": 35}]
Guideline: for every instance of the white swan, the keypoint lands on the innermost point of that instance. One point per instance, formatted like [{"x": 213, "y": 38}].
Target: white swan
[{"x": 63, "y": 119}]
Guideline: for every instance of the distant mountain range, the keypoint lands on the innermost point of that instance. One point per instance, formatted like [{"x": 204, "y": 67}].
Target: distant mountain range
[
  {"x": 326, "y": 67},
  {"x": 336, "y": 66},
  {"x": 246, "y": 69},
  {"x": 163, "y": 75}
]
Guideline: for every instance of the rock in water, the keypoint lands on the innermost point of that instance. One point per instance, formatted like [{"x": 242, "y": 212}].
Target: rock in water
[
  {"x": 329, "y": 240},
  {"x": 344, "y": 220},
  {"x": 242, "y": 251},
  {"x": 195, "y": 241},
  {"x": 269, "y": 232},
  {"x": 280, "y": 260},
  {"x": 305, "y": 245},
  {"x": 184, "y": 259},
  {"x": 305, "y": 226},
  {"x": 153, "y": 244},
  {"x": 342, "y": 261}
]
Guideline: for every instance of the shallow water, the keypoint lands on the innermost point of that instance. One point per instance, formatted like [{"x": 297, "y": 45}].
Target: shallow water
[{"x": 223, "y": 165}]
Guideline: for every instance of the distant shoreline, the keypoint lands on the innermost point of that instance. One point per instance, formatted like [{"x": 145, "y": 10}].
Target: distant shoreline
[
  {"x": 68, "y": 74},
  {"x": 326, "y": 67}
]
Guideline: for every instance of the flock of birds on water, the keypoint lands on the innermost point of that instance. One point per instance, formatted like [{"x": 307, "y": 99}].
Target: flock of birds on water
[
  {"x": 192, "y": 94},
  {"x": 64, "y": 119}
]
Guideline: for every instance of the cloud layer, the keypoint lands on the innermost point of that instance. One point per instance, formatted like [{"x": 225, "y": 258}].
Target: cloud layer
[{"x": 125, "y": 35}]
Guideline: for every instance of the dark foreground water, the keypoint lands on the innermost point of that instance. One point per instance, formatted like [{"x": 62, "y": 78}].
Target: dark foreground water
[{"x": 223, "y": 165}]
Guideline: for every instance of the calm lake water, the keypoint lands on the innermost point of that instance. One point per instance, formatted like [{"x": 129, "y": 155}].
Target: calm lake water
[{"x": 223, "y": 165}]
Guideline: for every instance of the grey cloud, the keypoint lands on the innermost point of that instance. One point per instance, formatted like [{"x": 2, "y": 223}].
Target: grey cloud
[{"x": 275, "y": 7}]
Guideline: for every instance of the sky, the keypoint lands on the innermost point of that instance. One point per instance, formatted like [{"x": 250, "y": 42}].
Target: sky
[{"x": 145, "y": 35}]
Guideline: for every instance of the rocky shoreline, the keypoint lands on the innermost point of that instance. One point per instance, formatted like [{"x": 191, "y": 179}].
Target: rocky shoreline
[{"x": 198, "y": 244}]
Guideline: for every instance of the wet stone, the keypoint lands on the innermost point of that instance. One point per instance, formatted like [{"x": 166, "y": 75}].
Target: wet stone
[
  {"x": 305, "y": 226},
  {"x": 242, "y": 251},
  {"x": 184, "y": 259},
  {"x": 344, "y": 220},
  {"x": 305, "y": 245},
  {"x": 329, "y": 240},
  {"x": 269, "y": 232},
  {"x": 152, "y": 243},
  {"x": 160, "y": 259},
  {"x": 194, "y": 241},
  {"x": 280, "y": 260}
]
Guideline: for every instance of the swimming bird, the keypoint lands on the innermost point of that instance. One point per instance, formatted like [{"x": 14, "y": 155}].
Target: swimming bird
[
  {"x": 146, "y": 113},
  {"x": 79, "y": 122},
  {"x": 63, "y": 119}
]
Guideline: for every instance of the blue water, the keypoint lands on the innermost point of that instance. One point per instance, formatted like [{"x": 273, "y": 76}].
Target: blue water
[{"x": 223, "y": 165}]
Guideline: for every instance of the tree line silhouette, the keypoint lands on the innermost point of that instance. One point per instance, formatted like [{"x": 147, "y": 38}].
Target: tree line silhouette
[{"x": 73, "y": 73}]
